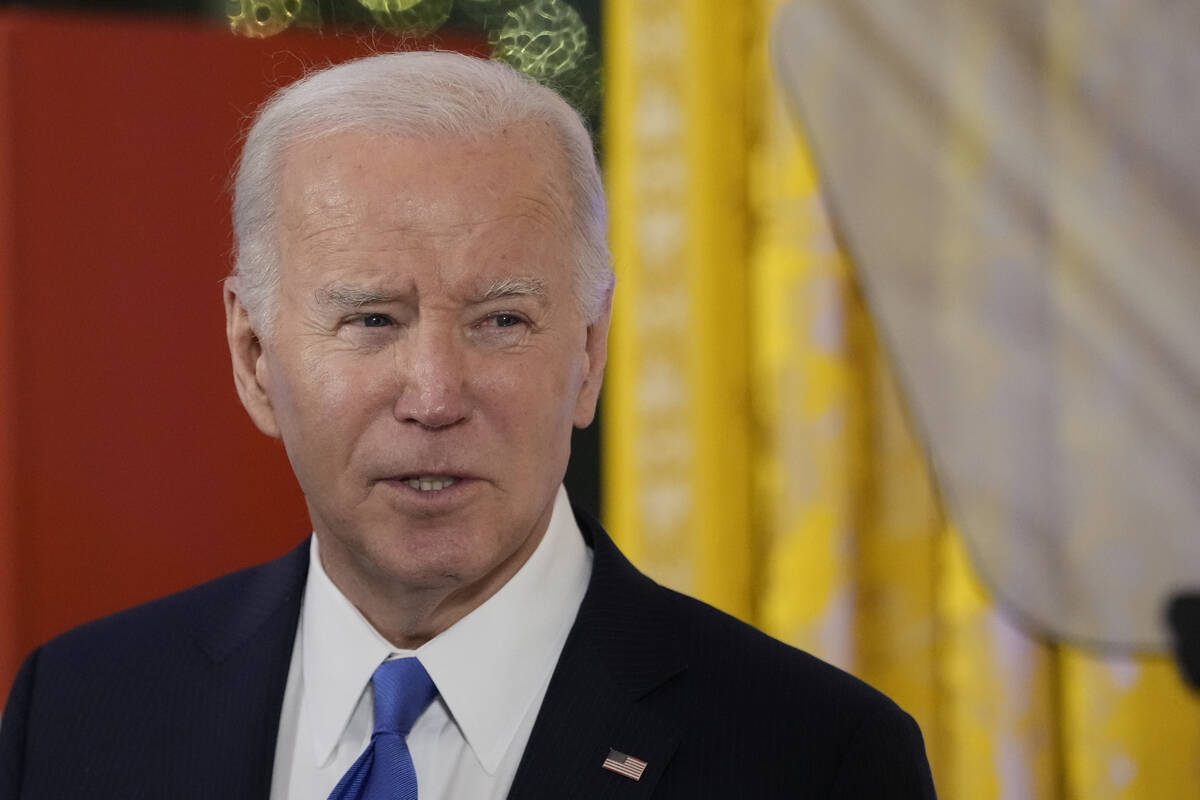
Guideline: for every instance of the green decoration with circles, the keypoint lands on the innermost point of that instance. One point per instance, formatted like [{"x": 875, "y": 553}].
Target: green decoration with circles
[
  {"x": 489, "y": 14},
  {"x": 259, "y": 19},
  {"x": 548, "y": 40},
  {"x": 545, "y": 39},
  {"x": 542, "y": 38},
  {"x": 412, "y": 17}
]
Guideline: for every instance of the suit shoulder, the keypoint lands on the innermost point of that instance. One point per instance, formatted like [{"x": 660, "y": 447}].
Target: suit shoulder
[
  {"x": 716, "y": 650},
  {"x": 717, "y": 644},
  {"x": 806, "y": 722},
  {"x": 159, "y": 684}
]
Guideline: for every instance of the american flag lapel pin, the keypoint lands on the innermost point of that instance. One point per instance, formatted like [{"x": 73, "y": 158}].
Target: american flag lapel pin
[{"x": 624, "y": 764}]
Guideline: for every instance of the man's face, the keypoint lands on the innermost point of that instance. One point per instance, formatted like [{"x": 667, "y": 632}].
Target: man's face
[{"x": 428, "y": 359}]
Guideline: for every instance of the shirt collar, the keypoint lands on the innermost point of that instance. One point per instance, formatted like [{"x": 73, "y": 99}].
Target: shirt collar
[{"x": 490, "y": 667}]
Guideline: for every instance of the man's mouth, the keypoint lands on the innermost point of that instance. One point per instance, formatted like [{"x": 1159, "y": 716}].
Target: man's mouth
[{"x": 430, "y": 483}]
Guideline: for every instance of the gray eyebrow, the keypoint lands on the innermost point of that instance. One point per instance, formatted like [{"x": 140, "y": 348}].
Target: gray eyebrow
[
  {"x": 514, "y": 287},
  {"x": 346, "y": 296},
  {"x": 350, "y": 296}
]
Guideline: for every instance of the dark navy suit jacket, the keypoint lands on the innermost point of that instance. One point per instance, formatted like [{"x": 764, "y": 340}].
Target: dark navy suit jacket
[{"x": 180, "y": 698}]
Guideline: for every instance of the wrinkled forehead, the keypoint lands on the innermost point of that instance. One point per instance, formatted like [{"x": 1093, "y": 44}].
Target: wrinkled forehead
[{"x": 360, "y": 195}]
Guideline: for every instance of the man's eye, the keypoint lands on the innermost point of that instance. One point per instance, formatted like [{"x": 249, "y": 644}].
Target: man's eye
[
  {"x": 376, "y": 321},
  {"x": 505, "y": 320}
]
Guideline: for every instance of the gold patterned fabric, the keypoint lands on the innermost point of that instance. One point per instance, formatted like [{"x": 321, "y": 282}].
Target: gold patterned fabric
[
  {"x": 834, "y": 538},
  {"x": 677, "y": 472}
]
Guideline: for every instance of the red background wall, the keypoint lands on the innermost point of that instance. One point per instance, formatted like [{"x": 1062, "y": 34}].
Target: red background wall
[{"x": 128, "y": 469}]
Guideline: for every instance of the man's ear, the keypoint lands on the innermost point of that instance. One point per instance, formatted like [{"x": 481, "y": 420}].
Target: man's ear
[
  {"x": 249, "y": 362},
  {"x": 596, "y": 349}
]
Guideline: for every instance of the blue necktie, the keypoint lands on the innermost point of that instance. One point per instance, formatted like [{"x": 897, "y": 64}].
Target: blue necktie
[{"x": 403, "y": 689}]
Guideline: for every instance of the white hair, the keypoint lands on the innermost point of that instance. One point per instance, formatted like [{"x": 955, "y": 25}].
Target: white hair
[{"x": 419, "y": 95}]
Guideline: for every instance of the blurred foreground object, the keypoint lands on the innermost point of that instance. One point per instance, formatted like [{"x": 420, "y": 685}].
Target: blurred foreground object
[
  {"x": 1017, "y": 184},
  {"x": 1184, "y": 617}
]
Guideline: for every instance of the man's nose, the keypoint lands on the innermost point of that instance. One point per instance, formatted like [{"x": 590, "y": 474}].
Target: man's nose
[{"x": 433, "y": 391}]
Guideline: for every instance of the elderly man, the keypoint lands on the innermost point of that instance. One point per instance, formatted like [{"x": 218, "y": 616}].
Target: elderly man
[{"x": 419, "y": 312}]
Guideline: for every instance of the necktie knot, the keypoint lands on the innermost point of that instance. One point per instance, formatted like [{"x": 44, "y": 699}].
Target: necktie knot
[{"x": 403, "y": 689}]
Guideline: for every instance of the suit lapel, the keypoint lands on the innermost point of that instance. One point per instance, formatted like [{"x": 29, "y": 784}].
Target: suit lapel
[
  {"x": 248, "y": 643},
  {"x": 621, "y": 648}
]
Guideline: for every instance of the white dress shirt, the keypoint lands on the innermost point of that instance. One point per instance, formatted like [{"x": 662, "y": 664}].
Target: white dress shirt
[{"x": 491, "y": 669}]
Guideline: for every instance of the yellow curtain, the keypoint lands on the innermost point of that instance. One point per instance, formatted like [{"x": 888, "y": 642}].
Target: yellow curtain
[
  {"x": 757, "y": 452},
  {"x": 678, "y": 475}
]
